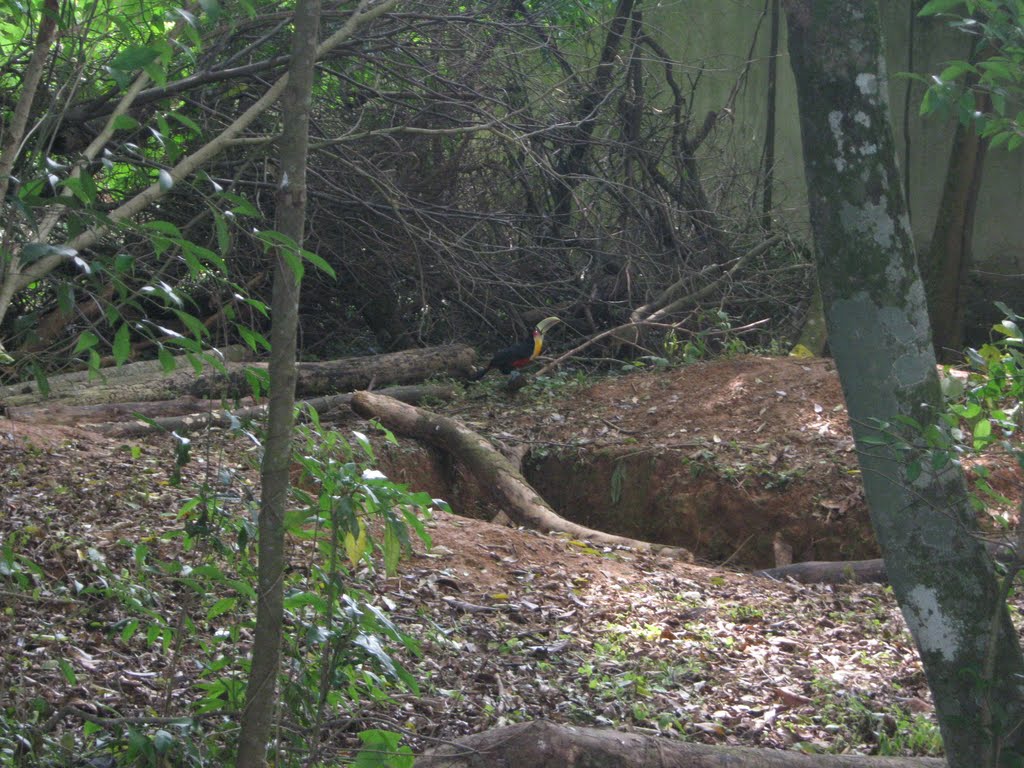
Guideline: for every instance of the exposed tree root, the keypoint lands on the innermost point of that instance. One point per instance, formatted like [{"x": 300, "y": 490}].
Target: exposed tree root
[{"x": 493, "y": 470}]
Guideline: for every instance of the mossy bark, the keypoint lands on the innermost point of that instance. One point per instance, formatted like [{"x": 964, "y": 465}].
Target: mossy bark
[{"x": 881, "y": 340}]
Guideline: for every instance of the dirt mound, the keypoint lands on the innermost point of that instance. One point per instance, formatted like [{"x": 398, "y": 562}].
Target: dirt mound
[{"x": 747, "y": 460}]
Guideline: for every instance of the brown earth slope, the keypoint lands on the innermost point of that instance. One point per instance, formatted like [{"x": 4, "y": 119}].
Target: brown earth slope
[{"x": 514, "y": 625}]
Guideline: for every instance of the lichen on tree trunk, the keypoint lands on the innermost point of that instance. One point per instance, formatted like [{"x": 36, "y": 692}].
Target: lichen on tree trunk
[{"x": 880, "y": 337}]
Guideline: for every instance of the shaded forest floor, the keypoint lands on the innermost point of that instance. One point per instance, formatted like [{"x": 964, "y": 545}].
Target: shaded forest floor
[{"x": 514, "y": 625}]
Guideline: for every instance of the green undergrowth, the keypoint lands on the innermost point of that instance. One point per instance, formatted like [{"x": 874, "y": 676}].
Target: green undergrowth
[{"x": 179, "y": 607}]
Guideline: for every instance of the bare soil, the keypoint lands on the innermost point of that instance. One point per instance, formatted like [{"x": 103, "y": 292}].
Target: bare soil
[{"x": 737, "y": 459}]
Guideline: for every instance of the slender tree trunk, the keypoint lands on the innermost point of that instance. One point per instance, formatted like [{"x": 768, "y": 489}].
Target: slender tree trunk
[
  {"x": 944, "y": 266},
  {"x": 291, "y": 212},
  {"x": 14, "y": 134},
  {"x": 877, "y": 318},
  {"x": 769, "y": 128},
  {"x": 577, "y": 145}
]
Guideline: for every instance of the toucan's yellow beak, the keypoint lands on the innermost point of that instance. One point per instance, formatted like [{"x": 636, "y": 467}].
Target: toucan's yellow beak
[
  {"x": 546, "y": 323},
  {"x": 538, "y": 334}
]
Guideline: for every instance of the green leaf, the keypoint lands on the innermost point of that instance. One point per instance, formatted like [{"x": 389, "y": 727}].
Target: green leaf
[
  {"x": 976, "y": 358},
  {"x": 83, "y": 188},
  {"x": 955, "y": 70},
  {"x": 167, "y": 361},
  {"x": 252, "y": 338},
  {"x": 1007, "y": 311},
  {"x": 68, "y": 671},
  {"x": 221, "y": 607},
  {"x": 90, "y": 728},
  {"x": 242, "y": 206},
  {"x": 134, "y": 57},
  {"x": 939, "y": 6},
  {"x": 999, "y": 139},
  {"x": 157, "y": 72},
  {"x": 970, "y": 411},
  {"x": 40, "y": 377},
  {"x": 381, "y": 750},
  {"x": 194, "y": 324},
  {"x": 319, "y": 262},
  {"x": 129, "y": 630},
  {"x": 998, "y": 102},
  {"x": 996, "y": 68},
  {"x": 125, "y": 123},
  {"x": 392, "y": 550},
  {"x": 164, "y": 228},
  {"x": 1008, "y": 328},
  {"x": 186, "y": 121},
  {"x": 365, "y": 444},
  {"x": 122, "y": 344},
  {"x": 304, "y": 599},
  {"x": 908, "y": 421},
  {"x": 87, "y": 340},
  {"x": 223, "y": 235},
  {"x": 65, "y": 297},
  {"x": 294, "y": 263}
]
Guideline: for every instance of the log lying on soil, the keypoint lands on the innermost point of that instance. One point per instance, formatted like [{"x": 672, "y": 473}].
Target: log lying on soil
[
  {"x": 146, "y": 381},
  {"x": 214, "y": 416},
  {"x": 494, "y": 472},
  {"x": 826, "y": 572},
  {"x": 350, "y": 373},
  {"x": 62, "y": 413},
  {"x": 862, "y": 571},
  {"x": 542, "y": 744}
]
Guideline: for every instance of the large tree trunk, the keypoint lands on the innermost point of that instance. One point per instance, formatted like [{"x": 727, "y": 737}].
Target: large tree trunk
[
  {"x": 261, "y": 689},
  {"x": 877, "y": 317},
  {"x": 495, "y": 472},
  {"x": 146, "y": 382},
  {"x": 542, "y": 744}
]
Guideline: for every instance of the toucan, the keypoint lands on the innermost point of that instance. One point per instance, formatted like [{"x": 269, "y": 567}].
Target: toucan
[{"x": 520, "y": 354}]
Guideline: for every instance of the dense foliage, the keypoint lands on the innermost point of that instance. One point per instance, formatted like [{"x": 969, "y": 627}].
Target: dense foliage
[{"x": 472, "y": 166}]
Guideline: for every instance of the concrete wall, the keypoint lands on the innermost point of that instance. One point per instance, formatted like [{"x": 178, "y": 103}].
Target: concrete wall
[{"x": 717, "y": 36}]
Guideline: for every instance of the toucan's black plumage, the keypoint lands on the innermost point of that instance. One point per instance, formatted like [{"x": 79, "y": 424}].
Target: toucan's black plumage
[{"x": 521, "y": 353}]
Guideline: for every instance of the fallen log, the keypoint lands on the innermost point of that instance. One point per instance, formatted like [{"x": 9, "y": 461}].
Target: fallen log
[
  {"x": 492, "y": 469},
  {"x": 351, "y": 373},
  {"x": 103, "y": 413},
  {"x": 543, "y": 744},
  {"x": 863, "y": 571},
  {"x": 146, "y": 381},
  {"x": 326, "y": 407}
]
